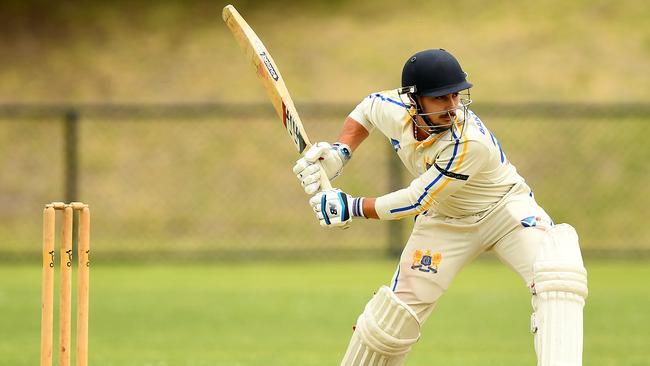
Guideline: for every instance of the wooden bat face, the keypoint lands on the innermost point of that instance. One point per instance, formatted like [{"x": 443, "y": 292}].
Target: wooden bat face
[{"x": 270, "y": 76}]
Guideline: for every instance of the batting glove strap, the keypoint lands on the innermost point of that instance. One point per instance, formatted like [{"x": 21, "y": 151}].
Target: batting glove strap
[
  {"x": 344, "y": 152},
  {"x": 357, "y": 207}
]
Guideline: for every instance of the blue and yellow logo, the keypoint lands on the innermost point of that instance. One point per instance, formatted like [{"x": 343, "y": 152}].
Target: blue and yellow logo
[{"x": 426, "y": 261}]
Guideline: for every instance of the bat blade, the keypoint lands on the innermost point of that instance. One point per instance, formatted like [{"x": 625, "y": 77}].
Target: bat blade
[{"x": 269, "y": 74}]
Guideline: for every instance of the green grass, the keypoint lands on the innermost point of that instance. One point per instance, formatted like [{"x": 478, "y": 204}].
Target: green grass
[{"x": 301, "y": 314}]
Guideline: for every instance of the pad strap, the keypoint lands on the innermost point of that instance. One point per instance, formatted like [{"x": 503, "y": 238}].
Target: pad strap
[{"x": 566, "y": 278}]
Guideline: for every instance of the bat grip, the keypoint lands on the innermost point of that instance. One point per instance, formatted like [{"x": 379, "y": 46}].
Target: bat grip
[{"x": 325, "y": 183}]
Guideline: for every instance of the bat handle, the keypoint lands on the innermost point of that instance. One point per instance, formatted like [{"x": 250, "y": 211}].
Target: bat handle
[{"x": 325, "y": 183}]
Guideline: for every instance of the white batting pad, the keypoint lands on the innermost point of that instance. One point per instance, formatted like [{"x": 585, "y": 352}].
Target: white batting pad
[
  {"x": 384, "y": 333},
  {"x": 559, "y": 288}
]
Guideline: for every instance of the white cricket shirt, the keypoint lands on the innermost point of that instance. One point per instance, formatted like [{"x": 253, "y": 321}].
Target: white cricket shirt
[{"x": 459, "y": 172}]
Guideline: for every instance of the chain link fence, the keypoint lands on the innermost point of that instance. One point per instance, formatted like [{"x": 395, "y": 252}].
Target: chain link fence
[{"x": 214, "y": 181}]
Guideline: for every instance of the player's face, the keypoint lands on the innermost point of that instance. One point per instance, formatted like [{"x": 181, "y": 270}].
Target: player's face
[{"x": 442, "y": 107}]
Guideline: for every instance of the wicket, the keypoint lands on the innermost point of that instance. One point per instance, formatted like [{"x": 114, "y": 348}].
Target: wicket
[{"x": 65, "y": 302}]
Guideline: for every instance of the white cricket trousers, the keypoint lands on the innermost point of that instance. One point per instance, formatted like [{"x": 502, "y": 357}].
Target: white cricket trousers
[{"x": 439, "y": 247}]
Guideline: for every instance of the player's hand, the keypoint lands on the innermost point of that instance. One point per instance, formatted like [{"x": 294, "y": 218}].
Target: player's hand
[
  {"x": 331, "y": 157},
  {"x": 334, "y": 207}
]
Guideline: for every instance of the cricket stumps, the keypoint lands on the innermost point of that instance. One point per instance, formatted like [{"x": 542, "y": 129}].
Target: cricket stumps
[{"x": 65, "y": 291}]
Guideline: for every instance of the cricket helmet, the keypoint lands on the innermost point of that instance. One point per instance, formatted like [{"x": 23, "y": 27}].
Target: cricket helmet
[{"x": 433, "y": 73}]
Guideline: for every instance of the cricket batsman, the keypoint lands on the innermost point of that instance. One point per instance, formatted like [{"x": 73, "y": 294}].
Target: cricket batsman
[{"x": 466, "y": 198}]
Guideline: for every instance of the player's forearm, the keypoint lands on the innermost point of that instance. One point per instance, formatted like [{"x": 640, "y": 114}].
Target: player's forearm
[
  {"x": 369, "y": 208},
  {"x": 381, "y": 208},
  {"x": 352, "y": 133}
]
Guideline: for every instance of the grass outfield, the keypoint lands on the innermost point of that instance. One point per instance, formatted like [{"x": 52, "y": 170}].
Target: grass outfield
[{"x": 301, "y": 313}]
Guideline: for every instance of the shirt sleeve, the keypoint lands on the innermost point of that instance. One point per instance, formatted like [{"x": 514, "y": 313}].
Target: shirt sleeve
[
  {"x": 452, "y": 169},
  {"x": 363, "y": 113}
]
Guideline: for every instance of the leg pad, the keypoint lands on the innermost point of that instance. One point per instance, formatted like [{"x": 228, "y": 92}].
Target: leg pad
[
  {"x": 559, "y": 291},
  {"x": 385, "y": 332}
]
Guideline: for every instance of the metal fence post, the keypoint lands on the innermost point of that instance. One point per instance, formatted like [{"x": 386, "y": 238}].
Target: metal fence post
[
  {"x": 71, "y": 157},
  {"x": 71, "y": 165},
  {"x": 395, "y": 227}
]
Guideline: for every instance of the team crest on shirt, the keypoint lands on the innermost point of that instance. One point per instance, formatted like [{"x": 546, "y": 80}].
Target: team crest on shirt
[
  {"x": 396, "y": 145},
  {"x": 426, "y": 260}
]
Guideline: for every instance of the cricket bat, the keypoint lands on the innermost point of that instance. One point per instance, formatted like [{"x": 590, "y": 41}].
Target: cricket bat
[{"x": 270, "y": 76}]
